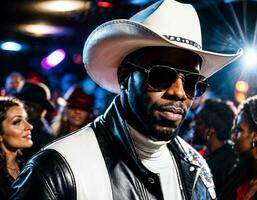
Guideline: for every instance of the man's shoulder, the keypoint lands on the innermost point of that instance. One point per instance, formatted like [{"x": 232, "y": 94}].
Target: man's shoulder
[
  {"x": 81, "y": 153},
  {"x": 74, "y": 140},
  {"x": 191, "y": 154},
  {"x": 196, "y": 159}
]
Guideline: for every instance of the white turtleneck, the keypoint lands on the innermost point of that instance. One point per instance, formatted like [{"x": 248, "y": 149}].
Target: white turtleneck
[{"x": 156, "y": 157}]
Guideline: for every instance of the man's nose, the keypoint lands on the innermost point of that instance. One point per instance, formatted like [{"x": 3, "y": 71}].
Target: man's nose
[{"x": 177, "y": 90}]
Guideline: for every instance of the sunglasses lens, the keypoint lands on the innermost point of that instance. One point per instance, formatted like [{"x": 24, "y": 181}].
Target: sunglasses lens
[
  {"x": 161, "y": 77},
  {"x": 195, "y": 85}
]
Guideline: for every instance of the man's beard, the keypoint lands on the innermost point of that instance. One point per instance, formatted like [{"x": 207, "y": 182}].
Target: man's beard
[
  {"x": 161, "y": 129},
  {"x": 163, "y": 135}
]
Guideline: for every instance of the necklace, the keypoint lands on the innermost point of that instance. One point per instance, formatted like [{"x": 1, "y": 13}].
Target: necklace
[
  {"x": 15, "y": 168},
  {"x": 13, "y": 171}
]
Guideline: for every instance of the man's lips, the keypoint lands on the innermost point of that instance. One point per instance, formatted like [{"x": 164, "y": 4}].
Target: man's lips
[
  {"x": 171, "y": 116},
  {"x": 171, "y": 113}
]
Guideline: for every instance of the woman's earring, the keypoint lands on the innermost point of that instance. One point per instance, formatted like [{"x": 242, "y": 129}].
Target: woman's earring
[
  {"x": 207, "y": 137},
  {"x": 254, "y": 143}
]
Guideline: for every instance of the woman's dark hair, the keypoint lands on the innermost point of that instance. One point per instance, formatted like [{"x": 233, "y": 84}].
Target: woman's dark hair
[
  {"x": 249, "y": 107},
  {"x": 5, "y": 104}
]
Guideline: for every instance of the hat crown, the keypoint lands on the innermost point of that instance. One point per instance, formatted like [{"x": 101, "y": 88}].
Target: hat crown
[
  {"x": 175, "y": 21},
  {"x": 45, "y": 91},
  {"x": 77, "y": 97},
  {"x": 32, "y": 90},
  {"x": 166, "y": 23},
  {"x": 38, "y": 93}
]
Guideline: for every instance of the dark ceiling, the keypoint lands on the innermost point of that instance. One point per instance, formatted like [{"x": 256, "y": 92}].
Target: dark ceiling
[{"x": 226, "y": 26}]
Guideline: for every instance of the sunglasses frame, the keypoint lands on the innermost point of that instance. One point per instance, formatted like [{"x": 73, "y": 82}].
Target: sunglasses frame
[{"x": 184, "y": 72}]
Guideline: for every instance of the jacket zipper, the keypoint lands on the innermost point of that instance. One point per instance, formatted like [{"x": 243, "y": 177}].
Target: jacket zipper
[
  {"x": 196, "y": 178},
  {"x": 179, "y": 178}
]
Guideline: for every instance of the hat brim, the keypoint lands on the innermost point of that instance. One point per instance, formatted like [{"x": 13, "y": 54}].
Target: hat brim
[
  {"x": 111, "y": 42},
  {"x": 79, "y": 105}
]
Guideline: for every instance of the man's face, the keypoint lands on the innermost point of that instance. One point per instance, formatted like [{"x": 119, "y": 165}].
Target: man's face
[
  {"x": 13, "y": 82},
  {"x": 200, "y": 130},
  {"x": 160, "y": 112}
]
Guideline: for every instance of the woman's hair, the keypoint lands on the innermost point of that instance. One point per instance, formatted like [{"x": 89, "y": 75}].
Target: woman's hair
[
  {"x": 5, "y": 104},
  {"x": 249, "y": 107},
  {"x": 60, "y": 124}
]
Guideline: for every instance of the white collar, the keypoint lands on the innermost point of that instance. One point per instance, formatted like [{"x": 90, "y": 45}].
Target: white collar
[{"x": 146, "y": 147}]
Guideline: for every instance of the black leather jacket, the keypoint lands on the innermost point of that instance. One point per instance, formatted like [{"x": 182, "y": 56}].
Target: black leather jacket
[{"x": 49, "y": 176}]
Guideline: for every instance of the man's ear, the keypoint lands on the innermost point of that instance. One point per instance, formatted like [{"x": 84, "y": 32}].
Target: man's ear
[
  {"x": 123, "y": 76},
  {"x": 123, "y": 86},
  {"x": 124, "y": 83},
  {"x": 210, "y": 133}
]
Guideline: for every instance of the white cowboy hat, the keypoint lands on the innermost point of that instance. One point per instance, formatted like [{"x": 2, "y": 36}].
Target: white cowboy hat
[{"x": 164, "y": 23}]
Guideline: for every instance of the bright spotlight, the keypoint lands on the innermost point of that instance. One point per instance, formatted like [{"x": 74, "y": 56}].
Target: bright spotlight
[{"x": 250, "y": 57}]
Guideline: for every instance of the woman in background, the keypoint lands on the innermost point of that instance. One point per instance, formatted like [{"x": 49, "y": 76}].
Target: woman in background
[
  {"x": 76, "y": 112},
  {"x": 246, "y": 142},
  {"x": 15, "y": 134}
]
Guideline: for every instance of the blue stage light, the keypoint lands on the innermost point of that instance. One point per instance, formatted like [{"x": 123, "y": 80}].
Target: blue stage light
[{"x": 11, "y": 46}]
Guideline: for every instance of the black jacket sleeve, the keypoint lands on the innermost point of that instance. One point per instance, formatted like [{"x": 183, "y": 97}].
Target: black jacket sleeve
[{"x": 47, "y": 176}]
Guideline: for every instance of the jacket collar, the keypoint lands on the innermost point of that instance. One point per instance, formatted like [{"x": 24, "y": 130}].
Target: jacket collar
[
  {"x": 187, "y": 158},
  {"x": 115, "y": 116}
]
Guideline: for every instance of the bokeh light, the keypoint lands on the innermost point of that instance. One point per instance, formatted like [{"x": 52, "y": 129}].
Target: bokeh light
[
  {"x": 61, "y": 6},
  {"x": 53, "y": 59},
  {"x": 11, "y": 46},
  {"x": 104, "y": 4},
  {"x": 242, "y": 86}
]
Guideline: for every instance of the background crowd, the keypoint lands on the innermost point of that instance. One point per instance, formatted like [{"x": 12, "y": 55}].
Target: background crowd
[{"x": 32, "y": 115}]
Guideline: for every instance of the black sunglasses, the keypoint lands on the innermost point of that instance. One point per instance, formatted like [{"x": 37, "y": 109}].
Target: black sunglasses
[{"x": 161, "y": 77}]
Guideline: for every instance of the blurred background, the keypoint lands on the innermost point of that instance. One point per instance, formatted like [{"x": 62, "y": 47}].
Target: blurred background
[{"x": 43, "y": 40}]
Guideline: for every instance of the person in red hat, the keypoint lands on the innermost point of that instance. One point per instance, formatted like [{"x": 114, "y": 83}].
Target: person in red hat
[
  {"x": 75, "y": 113},
  {"x": 13, "y": 83}
]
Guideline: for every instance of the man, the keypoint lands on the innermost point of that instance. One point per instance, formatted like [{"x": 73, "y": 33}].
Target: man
[
  {"x": 13, "y": 84},
  {"x": 132, "y": 152},
  {"x": 36, "y": 97},
  {"x": 213, "y": 124}
]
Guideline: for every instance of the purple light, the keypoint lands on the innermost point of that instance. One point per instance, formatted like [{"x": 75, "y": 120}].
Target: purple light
[{"x": 53, "y": 59}]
